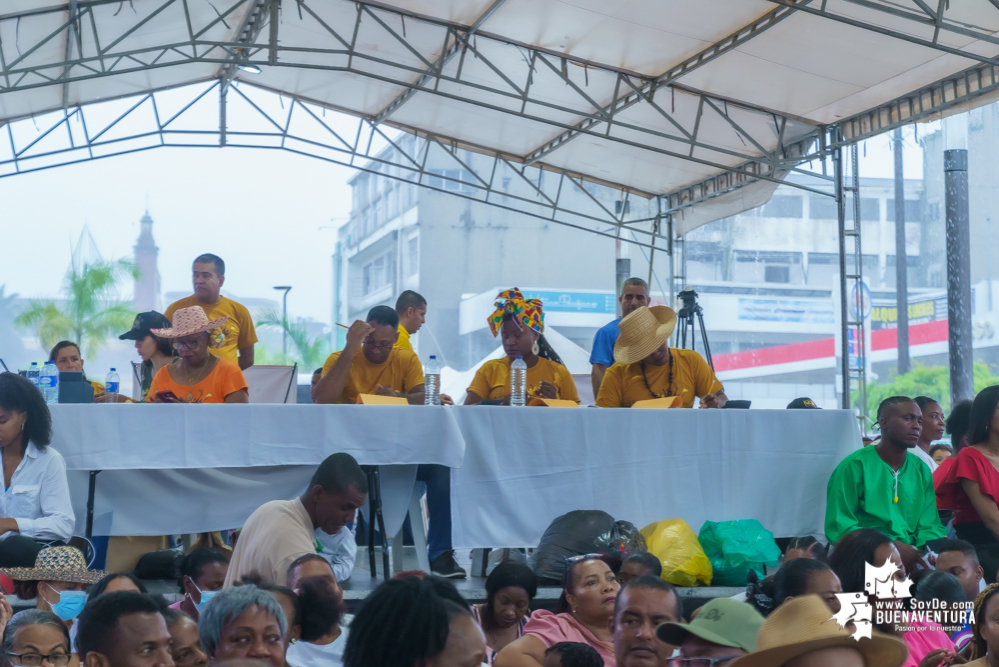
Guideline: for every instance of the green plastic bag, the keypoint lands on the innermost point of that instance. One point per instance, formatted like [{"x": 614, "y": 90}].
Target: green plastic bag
[
  {"x": 673, "y": 542},
  {"x": 735, "y": 548}
]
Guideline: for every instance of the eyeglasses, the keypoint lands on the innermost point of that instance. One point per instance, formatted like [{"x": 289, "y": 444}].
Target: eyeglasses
[
  {"x": 189, "y": 344},
  {"x": 697, "y": 662},
  {"x": 36, "y": 659},
  {"x": 572, "y": 560},
  {"x": 370, "y": 342}
]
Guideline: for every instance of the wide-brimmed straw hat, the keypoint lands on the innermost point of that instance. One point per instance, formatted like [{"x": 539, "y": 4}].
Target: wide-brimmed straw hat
[
  {"x": 56, "y": 564},
  {"x": 805, "y": 624},
  {"x": 188, "y": 321},
  {"x": 643, "y": 331}
]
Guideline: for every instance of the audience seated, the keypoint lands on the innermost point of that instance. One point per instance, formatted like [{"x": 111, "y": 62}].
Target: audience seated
[
  {"x": 647, "y": 367},
  {"x": 806, "y": 547},
  {"x": 585, "y": 611},
  {"x": 281, "y": 531},
  {"x": 406, "y": 622},
  {"x": 634, "y": 294},
  {"x": 412, "y": 311},
  {"x": 185, "y": 645},
  {"x": 886, "y": 487},
  {"x": 58, "y": 580},
  {"x": 311, "y": 565},
  {"x": 243, "y": 622},
  {"x": 940, "y": 453},
  {"x": 155, "y": 352},
  {"x": 202, "y": 575},
  {"x": 933, "y": 587},
  {"x": 317, "y": 375},
  {"x": 958, "y": 425},
  {"x": 932, "y": 429},
  {"x": 236, "y": 341},
  {"x": 35, "y": 637},
  {"x": 36, "y": 509},
  {"x": 644, "y": 603},
  {"x": 639, "y": 565},
  {"x": 116, "y": 582},
  {"x": 801, "y": 634},
  {"x": 381, "y": 368},
  {"x": 971, "y": 484},
  {"x": 572, "y": 654},
  {"x": 198, "y": 377},
  {"x": 322, "y": 639},
  {"x": 340, "y": 550},
  {"x": 290, "y": 604},
  {"x": 123, "y": 630},
  {"x": 723, "y": 629},
  {"x": 985, "y": 644},
  {"x": 510, "y": 589},
  {"x": 807, "y": 576},
  {"x": 960, "y": 559},
  {"x": 522, "y": 324}
]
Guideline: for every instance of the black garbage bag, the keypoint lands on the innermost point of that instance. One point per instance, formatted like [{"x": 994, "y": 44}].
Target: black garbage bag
[
  {"x": 621, "y": 541},
  {"x": 571, "y": 534}
]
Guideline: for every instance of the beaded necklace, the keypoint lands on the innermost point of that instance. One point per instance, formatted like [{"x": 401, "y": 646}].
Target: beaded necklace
[{"x": 669, "y": 387}]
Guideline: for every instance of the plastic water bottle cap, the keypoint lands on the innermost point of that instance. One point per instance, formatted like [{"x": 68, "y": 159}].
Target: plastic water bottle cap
[
  {"x": 433, "y": 356},
  {"x": 519, "y": 357},
  {"x": 112, "y": 370}
]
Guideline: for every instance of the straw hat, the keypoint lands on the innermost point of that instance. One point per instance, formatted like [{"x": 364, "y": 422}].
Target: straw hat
[
  {"x": 805, "y": 624},
  {"x": 643, "y": 332},
  {"x": 56, "y": 564},
  {"x": 187, "y": 321}
]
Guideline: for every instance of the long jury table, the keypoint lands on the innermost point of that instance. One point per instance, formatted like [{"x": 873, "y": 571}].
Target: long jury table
[{"x": 171, "y": 469}]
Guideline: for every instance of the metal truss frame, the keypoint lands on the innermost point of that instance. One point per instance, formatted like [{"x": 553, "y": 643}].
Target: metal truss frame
[
  {"x": 273, "y": 121},
  {"x": 85, "y": 57}
]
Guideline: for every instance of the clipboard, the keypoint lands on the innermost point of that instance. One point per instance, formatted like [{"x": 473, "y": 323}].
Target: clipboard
[
  {"x": 375, "y": 399},
  {"x": 553, "y": 402},
  {"x": 659, "y": 403}
]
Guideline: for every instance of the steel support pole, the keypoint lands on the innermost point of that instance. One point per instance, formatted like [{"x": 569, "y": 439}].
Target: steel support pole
[
  {"x": 901, "y": 270},
  {"x": 958, "y": 275},
  {"x": 844, "y": 314},
  {"x": 623, "y": 273}
]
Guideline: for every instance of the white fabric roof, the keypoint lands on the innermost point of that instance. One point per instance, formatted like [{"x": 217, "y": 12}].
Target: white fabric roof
[{"x": 533, "y": 70}]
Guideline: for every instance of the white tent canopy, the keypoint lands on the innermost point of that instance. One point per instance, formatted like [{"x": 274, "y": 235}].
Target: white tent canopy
[{"x": 704, "y": 104}]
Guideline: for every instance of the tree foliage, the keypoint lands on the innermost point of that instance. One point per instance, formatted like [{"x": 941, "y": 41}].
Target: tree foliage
[
  {"x": 90, "y": 311},
  {"x": 309, "y": 352},
  {"x": 932, "y": 381}
]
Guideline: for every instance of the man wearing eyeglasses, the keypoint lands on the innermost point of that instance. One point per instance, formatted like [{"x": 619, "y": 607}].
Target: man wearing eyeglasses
[
  {"x": 380, "y": 368},
  {"x": 723, "y": 631}
]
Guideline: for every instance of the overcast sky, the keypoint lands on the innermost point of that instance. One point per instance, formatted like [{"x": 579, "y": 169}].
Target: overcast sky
[{"x": 267, "y": 213}]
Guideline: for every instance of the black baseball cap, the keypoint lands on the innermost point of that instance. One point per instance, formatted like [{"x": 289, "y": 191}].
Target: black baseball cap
[
  {"x": 143, "y": 323},
  {"x": 802, "y": 404}
]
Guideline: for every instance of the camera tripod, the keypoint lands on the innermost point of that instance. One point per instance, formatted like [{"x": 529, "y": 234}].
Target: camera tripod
[{"x": 685, "y": 318}]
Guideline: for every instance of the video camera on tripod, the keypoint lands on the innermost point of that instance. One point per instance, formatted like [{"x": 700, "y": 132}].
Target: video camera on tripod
[{"x": 686, "y": 315}]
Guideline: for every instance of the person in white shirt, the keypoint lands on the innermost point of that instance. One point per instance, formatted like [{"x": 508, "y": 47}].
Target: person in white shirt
[
  {"x": 323, "y": 638},
  {"x": 339, "y": 550},
  {"x": 35, "y": 508},
  {"x": 933, "y": 429}
]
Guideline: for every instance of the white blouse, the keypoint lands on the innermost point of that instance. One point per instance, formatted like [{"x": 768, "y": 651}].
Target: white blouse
[{"x": 38, "y": 497}]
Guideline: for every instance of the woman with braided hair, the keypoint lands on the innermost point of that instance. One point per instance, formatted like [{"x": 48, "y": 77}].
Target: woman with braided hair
[
  {"x": 985, "y": 644},
  {"x": 647, "y": 367},
  {"x": 522, "y": 323}
]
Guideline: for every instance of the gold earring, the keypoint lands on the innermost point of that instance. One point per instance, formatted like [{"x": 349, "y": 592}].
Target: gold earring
[{"x": 535, "y": 349}]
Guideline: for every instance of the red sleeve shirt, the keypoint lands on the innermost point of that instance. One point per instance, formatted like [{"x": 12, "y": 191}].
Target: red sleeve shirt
[{"x": 969, "y": 464}]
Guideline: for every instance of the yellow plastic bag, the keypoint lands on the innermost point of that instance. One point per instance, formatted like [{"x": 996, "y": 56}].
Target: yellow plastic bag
[{"x": 676, "y": 546}]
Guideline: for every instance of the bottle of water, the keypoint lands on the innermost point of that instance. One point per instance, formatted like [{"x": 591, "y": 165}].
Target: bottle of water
[
  {"x": 432, "y": 382},
  {"x": 48, "y": 382},
  {"x": 111, "y": 387},
  {"x": 518, "y": 382},
  {"x": 33, "y": 373}
]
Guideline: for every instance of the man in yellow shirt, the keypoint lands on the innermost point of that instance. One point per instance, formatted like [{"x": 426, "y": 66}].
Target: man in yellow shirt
[
  {"x": 647, "y": 368},
  {"x": 240, "y": 336},
  {"x": 412, "y": 311},
  {"x": 381, "y": 368}
]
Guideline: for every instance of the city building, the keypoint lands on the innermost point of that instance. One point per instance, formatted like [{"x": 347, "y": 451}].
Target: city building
[{"x": 146, "y": 292}]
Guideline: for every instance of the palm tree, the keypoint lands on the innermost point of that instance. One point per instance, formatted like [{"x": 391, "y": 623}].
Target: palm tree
[
  {"x": 90, "y": 312},
  {"x": 311, "y": 353}
]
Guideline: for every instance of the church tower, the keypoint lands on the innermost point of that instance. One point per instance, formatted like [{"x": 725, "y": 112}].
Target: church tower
[{"x": 146, "y": 295}]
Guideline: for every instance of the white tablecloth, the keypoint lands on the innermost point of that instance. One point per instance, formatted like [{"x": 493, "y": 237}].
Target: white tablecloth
[
  {"x": 525, "y": 467},
  {"x": 171, "y": 469}
]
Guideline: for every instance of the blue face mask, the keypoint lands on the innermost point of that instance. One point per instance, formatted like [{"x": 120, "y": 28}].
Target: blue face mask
[
  {"x": 70, "y": 604},
  {"x": 205, "y": 597}
]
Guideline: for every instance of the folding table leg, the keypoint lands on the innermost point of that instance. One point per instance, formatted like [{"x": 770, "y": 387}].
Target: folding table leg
[{"x": 372, "y": 472}]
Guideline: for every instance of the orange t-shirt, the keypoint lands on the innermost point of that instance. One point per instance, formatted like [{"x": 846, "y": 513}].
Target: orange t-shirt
[{"x": 225, "y": 379}]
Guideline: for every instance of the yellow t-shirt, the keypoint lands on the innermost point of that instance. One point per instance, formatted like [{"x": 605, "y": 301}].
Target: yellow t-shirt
[
  {"x": 492, "y": 381},
  {"x": 239, "y": 331},
  {"x": 402, "y": 372},
  {"x": 623, "y": 385},
  {"x": 403, "y": 343}
]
